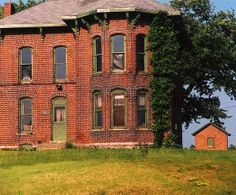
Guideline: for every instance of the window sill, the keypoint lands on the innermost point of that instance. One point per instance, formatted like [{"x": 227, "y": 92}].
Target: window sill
[
  {"x": 118, "y": 72},
  {"x": 143, "y": 129},
  {"x": 25, "y": 134},
  {"x": 97, "y": 73},
  {"x": 61, "y": 81},
  {"x": 143, "y": 73},
  {"x": 26, "y": 82},
  {"x": 97, "y": 130}
]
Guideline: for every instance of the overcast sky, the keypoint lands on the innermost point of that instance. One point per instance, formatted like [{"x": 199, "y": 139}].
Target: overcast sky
[{"x": 226, "y": 103}]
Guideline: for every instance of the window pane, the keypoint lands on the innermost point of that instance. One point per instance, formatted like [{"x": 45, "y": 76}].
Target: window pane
[
  {"x": 98, "y": 118},
  {"x": 99, "y": 63},
  {"x": 142, "y": 118},
  {"x": 142, "y": 100},
  {"x": 26, "y": 106},
  {"x": 98, "y": 46},
  {"x": 119, "y": 110},
  {"x": 59, "y": 114},
  {"x": 26, "y": 123},
  {"x": 61, "y": 71},
  {"x": 99, "y": 101},
  {"x": 210, "y": 141},
  {"x": 26, "y": 57},
  {"x": 119, "y": 100},
  {"x": 26, "y": 72},
  {"x": 60, "y": 55},
  {"x": 119, "y": 116},
  {"x": 118, "y": 43},
  {"x": 118, "y": 61},
  {"x": 140, "y": 44},
  {"x": 140, "y": 62}
]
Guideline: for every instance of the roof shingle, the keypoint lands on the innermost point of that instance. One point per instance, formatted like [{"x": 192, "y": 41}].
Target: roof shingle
[{"x": 52, "y": 12}]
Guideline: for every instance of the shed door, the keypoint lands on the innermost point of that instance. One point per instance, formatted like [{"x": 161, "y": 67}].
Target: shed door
[{"x": 59, "y": 119}]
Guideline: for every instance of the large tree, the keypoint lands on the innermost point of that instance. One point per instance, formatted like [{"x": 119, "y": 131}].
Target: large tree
[{"x": 193, "y": 56}]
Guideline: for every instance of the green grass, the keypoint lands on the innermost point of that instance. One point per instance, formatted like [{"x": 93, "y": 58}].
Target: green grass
[{"x": 107, "y": 171}]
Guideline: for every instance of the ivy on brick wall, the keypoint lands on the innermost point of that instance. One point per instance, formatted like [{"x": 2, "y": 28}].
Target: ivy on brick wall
[{"x": 164, "y": 46}]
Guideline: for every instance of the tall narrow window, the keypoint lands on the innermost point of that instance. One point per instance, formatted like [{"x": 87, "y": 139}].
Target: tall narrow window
[
  {"x": 60, "y": 63},
  {"x": 211, "y": 142},
  {"x": 118, "y": 109},
  {"x": 97, "y": 110},
  {"x": 142, "y": 109},
  {"x": 97, "y": 54},
  {"x": 26, "y": 64},
  {"x": 25, "y": 115},
  {"x": 141, "y": 58},
  {"x": 118, "y": 52}
]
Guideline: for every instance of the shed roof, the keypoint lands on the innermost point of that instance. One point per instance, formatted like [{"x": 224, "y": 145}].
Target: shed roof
[
  {"x": 208, "y": 124},
  {"x": 54, "y": 12}
]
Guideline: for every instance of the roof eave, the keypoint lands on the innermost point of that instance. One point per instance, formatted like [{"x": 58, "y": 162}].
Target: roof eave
[
  {"x": 73, "y": 17},
  {"x": 31, "y": 25}
]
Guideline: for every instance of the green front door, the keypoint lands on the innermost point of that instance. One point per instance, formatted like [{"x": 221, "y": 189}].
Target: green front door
[{"x": 59, "y": 119}]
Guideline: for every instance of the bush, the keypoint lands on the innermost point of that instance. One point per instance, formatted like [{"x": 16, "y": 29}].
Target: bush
[
  {"x": 170, "y": 141},
  {"x": 232, "y": 147}
]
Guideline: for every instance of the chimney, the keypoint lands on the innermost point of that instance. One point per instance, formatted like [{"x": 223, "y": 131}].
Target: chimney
[{"x": 9, "y": 9}]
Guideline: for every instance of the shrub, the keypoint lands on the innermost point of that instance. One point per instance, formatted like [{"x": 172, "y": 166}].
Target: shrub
[{"x": 170, "y": 141}]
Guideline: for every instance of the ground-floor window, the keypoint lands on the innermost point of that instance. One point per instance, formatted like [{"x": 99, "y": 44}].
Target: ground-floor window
[
  {"x": 25, "y": 115},
  {"x": 211, "y": 142},
  {"x": 142, "y": 114},
  {"x": 97, "y": 100},
  {"x": 118, "y": 105}
]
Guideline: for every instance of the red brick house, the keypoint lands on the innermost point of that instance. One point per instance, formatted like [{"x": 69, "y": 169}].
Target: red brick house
[
  {"x": 77, "y": 71},
  {"x": 211, "y": 137}
]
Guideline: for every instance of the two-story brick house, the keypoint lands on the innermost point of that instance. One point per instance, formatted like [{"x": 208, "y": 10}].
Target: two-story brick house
[{"x": 77, "y": 71}]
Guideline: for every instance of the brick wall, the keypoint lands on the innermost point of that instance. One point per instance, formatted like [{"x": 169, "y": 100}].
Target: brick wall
[
  {"x": 221, "y": 139},
  {"x": 77, "y": 89}
]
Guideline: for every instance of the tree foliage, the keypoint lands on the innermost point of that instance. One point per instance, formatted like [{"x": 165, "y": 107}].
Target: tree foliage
[
  {"x": 194, "y": 64},
  {"x": 21, "y": 5}
]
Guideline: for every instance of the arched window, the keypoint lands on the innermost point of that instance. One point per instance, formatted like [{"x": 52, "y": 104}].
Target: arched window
[
  {"x": 118, "y": 52},
  {"x": 97, "y": 54},
  {"x": 25, "y": 121},
  {"x": 142, "y": 114},
  {"x": 141, "y": 57},
  {"x": 118, "y": 105},
  {"x": 60, "y": 63},
  {"x": 97, "y": 110},
  {"x": 25, "y": 64}
]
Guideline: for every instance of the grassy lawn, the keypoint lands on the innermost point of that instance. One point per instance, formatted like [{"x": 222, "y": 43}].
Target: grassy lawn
[{"x": 137, "y": 171}]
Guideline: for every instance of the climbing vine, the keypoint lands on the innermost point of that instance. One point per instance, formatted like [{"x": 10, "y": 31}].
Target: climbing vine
[{"x": 164, "y": 48}]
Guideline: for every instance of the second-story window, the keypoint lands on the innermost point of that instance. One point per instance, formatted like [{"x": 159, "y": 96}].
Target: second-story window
[
  {"x": 60, "y": 72},
  {"x": 141, "y": 57},
  {"x": 26, "y": 64},
  {"x": 118, "y": 52},
  {"x": 97, "y": 54}
]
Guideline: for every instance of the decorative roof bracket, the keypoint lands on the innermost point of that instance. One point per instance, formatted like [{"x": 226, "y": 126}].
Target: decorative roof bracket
[
  {"x": 99, "y": 20},
  {"x": 1, "y": 36},
  {"x": 135, "y": 20},
  {"x": 86, "y": 23},
  {"x": 76, "y": 29},
  {"x": 106, "y": 20},
  {"x": 41, "y": 33},
  {"x": 128, "y": 18}
]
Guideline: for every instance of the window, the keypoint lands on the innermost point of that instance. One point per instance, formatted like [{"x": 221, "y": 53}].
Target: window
[
  {"x": 97, "y": 110},
  {"x": 141, "y": 58},
  {"x": 26, "y": 64},
  {"x": 142, "y": 109},
  {"x": 97, "y": 54},
  {"x": 59, "y": 115},
  {"x": 118, "y": 52},
  {"x": 118, "y": 109},
  {"x": 60, "y": 63},
  {"x": 25, "y": 115},
  {"x": 211, "y": 142}
]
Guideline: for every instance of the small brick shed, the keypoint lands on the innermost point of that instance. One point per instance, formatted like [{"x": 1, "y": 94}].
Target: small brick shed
[{"x": 211, "y": 137}]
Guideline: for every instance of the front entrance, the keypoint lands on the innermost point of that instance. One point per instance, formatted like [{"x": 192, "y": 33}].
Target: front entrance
[{"x": 59, "y": 119}]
